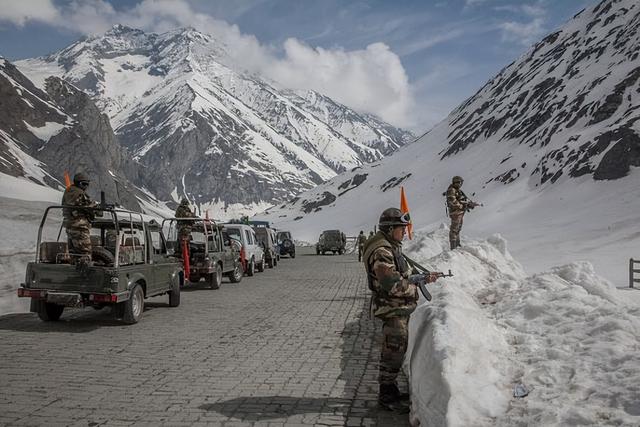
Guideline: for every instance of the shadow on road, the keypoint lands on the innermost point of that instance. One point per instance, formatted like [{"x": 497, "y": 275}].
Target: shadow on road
[
  {"x": 74, "y": 320},
  {"x": 270, "y": 407}
]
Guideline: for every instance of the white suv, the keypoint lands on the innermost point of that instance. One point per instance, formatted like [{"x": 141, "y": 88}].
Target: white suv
[{"x": 251, "y": 248}]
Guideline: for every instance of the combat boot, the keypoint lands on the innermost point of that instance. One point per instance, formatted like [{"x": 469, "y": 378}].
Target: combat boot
[{"x": 390, "y": 399}]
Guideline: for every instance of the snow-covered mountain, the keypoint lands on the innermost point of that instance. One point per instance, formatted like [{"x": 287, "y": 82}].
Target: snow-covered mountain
[
  {"x": 551, "y": 145},
  {"x": 45, "y": 132},
  {"x": 204, "y": 130}
]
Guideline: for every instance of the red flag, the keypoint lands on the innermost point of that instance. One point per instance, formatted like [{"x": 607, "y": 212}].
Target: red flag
[
  {"x": 67, "y": 180},
  {"x": 404, "y": 207}
]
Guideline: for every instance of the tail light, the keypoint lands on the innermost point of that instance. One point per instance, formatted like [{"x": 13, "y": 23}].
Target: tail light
[
  {"x": 31, "y": 293},
  {"x": 103, "y": 298}
]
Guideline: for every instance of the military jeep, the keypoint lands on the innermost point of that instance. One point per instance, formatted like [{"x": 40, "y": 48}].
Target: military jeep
[
  {"x": 331, "y": 241},
  {"x": 209, "y": 252},
  {"x": 129, "y": 262}
]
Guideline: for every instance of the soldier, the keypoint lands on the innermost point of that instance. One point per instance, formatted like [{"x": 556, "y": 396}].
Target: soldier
[
  {"x": 457, "y": 205},
  {"x": 361, "y": 240},
  {"x": 371, "y": 234},
  {"x": 395, "y": 296},
  {"x": 184, "y": 227},
  {"x": 77, "y": 221}
]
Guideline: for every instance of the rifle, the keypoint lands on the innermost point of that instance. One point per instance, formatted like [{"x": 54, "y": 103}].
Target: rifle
[
  {"x": 423, "y": 275},
  {"x": 471, "y": 205}
]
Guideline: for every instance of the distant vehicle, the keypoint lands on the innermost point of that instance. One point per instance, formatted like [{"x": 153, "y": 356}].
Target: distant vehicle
[
  {"x": 130, "y": 262},
  {"x": 286, "y": 244},
  {"x": 267, "y": 238},
  {"x": 331, "y": 241},
  {"x": 210, "y": 255},
  {"x": 252, "y": 252}
]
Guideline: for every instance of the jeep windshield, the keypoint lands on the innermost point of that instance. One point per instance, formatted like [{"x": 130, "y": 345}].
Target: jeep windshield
[
  {"x": 262, "y": 235},
  {"x": 283, "y": 235},
  {"x": 333, "y": 236}
]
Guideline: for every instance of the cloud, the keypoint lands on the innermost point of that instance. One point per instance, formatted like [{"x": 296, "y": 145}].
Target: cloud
[
  {"x": 524, "y": 33},
  {"x": 371, "y": 80},
  {"x": 21, "y": 12}
]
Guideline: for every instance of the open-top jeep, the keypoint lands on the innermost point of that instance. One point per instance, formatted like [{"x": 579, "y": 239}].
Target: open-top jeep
[
  {"x": 129, "y": 262},
  {"x": 209, "y": 252}
]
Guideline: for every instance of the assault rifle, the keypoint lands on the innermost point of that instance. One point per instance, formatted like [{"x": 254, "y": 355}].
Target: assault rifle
[
  {"x": 422, "y": 278},
  {"x": 471, "y": 205}
]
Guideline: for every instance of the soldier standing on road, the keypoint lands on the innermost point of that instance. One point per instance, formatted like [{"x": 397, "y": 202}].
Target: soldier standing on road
[
  {"x": 77, "y": 221},
  {"x": 457, "y": 204},
  {"x": 395, "y": 296},
  {"x": 361, "y": 240},
  {"x": 184, "y": 227}
]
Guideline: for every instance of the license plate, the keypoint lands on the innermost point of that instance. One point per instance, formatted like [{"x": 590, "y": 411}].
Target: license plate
[{"x": 66, "y": 299}]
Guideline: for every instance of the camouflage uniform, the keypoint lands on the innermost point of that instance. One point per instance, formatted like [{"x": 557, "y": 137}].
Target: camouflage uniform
[
  {"x": 77, "y": 222},
  {"x": 361, "y": 240},
  {"x": 184, "y": 227},
  {"x": 394, "y": 299},
  {"x": 457, "y": 204}
]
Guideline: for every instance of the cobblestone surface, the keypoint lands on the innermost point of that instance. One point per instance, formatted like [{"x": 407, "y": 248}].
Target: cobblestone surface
[{"x": 288, "y": 347}]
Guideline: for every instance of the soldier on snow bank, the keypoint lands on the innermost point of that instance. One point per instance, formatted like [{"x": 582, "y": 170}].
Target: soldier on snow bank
[
  {"x": 395, "y": 295},
  {"x": 457, "y": 204}
]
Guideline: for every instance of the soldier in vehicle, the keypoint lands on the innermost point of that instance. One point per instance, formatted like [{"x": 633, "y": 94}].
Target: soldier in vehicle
[
  {"x": 184, "y": 227},
  {"x": 361, "y": 240},
  {"x": 395, "y": 297},
  {"x": 77, "y": 221},
  {"x": 457, "y": 204}
]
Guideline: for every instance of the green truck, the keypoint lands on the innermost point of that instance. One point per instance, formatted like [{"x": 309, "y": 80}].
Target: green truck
[{"x": 129, "y": 262}]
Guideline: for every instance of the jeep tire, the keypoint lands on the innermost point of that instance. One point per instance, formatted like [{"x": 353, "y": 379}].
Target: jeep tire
[
  {"x": 174, "y": 295},
  {"x": 215, "y": 278},
  {"x": 236, "y": 275},
  {"x": 131, "y": 310},
  {"x": 49, "y": 312},
  {"x": 251, "y": 267}
]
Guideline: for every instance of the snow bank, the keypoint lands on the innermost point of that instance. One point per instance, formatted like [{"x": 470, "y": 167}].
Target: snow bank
[{"x": 567, "y": 334}]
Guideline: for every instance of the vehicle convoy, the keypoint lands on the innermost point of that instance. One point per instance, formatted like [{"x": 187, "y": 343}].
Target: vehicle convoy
[
  {"x": 130, "y": 262},
  {"x": 210, "y": 254},
  {"x": 252, "y": 253},
  {"x": 331, "y": 241},
  {"x": 286, "y": 244},
  {"x": 267, "y": 238}
]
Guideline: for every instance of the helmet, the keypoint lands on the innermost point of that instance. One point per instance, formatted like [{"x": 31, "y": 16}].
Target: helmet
[
  {"x": 361, "y": 232},
  {"x": 393, "y": 217},
  {"x": 80, "y": 177},
  {"x": 457, "y": 179}
]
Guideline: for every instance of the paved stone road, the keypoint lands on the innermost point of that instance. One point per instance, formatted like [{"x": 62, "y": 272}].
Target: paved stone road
[{"x": 290, "y": 346}]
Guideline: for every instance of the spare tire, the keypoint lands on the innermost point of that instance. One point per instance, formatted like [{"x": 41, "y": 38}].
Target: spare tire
[{"x": 102, "y": 256}]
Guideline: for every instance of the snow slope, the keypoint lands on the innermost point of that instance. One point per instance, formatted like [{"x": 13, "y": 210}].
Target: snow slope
[
  {"x": 567, "y": 334},
  {"x": 551, "y": 146}
]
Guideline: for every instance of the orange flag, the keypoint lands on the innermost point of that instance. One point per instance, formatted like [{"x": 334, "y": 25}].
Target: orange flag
[
  {"x": 67, "y": 180},
  {"x": 404, "y": 207}
]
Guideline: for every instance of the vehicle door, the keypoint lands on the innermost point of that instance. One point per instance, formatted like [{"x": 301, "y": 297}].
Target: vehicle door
[{"x": 162, "y": 266}]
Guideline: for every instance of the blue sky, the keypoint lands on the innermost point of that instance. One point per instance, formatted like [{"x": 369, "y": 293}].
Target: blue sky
[{"x": 446, "y": 49}]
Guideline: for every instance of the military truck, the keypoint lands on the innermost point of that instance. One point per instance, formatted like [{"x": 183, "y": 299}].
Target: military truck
[
  {"x": 210, "y": 254},
  {"x": 129, "y": 262},
  {"x": 331, "y": 241}
]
